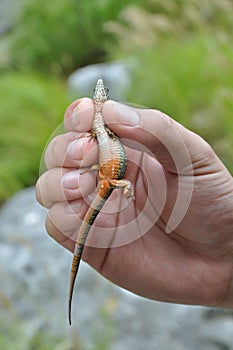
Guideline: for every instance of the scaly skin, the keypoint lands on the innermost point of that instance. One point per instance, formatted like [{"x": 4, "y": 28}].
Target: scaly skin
[{"x": 112, "y": 167}]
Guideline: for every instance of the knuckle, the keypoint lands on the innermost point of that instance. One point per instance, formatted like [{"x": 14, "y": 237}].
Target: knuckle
[
  {"x": 38, "y": 191},
  {"x": 50, "y": 152},
  {"x": 49, "y": 226},
  {"x": 42, "y": 190}
]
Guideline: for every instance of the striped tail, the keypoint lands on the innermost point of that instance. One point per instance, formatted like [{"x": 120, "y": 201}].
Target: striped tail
[{"x": 88, "y": 220}]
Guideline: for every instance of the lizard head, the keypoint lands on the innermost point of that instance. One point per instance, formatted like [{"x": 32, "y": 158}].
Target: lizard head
[{"x": 100, "y": 92}]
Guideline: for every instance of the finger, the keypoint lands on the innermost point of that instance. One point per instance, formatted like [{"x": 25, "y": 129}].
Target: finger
[
  {"x": 71, "y": 150},
  {"x": 67, "y": 239},
  {"x": 58, "y": 185},
  {"x": 63, "y": 222},
  {"x": 62, "y": 225},
  {"x": 176, "y": 148},
  {"x": 79, "y": 115},
  {"x": 171, "y": 143},
  {"x": 58, "y": 235}
]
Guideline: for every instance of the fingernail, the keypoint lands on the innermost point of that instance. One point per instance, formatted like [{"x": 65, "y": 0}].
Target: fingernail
[
  {"x": 75, "y": 149},
  {"x": 70, "y": 180},
  {"x": 126, "y": 115}
]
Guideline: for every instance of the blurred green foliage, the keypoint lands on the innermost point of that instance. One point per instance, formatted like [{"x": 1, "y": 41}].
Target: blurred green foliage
[
  {"x": 37, "y": 335},
  {"x": 47, "y": 38},
  {"x": 182, "y": 58},
  {"x": 199, "y": 95},
  {"x": 31, "y": 108},
  {"x": 183, "y": 64},
  {"x": 19, "y": 338},
  {"x": 60, "y": 36}
]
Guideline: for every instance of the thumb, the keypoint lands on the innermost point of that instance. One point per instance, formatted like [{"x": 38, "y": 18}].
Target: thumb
[
  {"x": 174, "y": 146},
  {"x": 156, "y": 133}
]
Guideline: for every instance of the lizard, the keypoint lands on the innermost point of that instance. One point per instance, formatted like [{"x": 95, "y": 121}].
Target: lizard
[{"x": 111, "y": 167}]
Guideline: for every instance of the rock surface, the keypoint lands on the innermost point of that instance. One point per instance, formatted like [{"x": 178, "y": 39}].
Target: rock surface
[
  {"x": 34, "y": 274},
  {"x": 116, "y": 77}
]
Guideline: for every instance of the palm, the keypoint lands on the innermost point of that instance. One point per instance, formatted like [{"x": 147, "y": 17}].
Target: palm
[
  {"x": 128, "y": 242},
  {"x": 190, "y": 257}
]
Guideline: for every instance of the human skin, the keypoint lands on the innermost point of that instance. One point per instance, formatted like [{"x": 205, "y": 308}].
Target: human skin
[{"x": 193, "y": 264}]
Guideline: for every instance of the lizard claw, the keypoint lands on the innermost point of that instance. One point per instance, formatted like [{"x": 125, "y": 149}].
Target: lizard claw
[
  {"x": 92, "y": 135},
  {"x": 128, "y": 192}
]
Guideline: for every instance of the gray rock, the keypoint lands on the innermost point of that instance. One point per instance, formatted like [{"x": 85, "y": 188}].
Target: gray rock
[
  {"x": 116, "y": 76},
  {"x": 34, "y": 285}
]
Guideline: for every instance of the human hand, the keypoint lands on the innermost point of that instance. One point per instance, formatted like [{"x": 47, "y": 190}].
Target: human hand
[{"x": 180, "y": 186}]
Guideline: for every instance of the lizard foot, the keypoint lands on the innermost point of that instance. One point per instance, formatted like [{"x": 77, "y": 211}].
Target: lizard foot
[
  {"x": 128, "y": 188},
  {"x": 92, "y": 135},
  {"x": 85, "y": 169}
]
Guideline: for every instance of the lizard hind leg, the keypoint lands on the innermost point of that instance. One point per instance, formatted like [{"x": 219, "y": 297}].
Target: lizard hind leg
[
  {"x": 95, "y": 167},
  {"x": 126, "y": 184},
  {"x": 85, "y": 169}
]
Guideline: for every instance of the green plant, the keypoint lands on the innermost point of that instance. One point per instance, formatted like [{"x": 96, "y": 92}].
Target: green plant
[
  {"x": 21, "y": 336},
  {"x": 183, "y": 64},
  {"x": 156, "y": 21},
  {"x": 31, "y": 108},
  {"x": 191, "y": 81},
  {"x": 60, "y": 36},
  {"x": 104, "y": 334}
]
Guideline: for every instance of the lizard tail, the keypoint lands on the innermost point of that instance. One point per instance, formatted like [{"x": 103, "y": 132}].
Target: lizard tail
[
  {"x": 88, "y": 220},
  {"x": 73, "y": 274}
]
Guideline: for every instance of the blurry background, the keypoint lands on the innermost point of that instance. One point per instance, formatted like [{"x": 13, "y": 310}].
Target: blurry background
[{"x": 177, "y": 56}]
